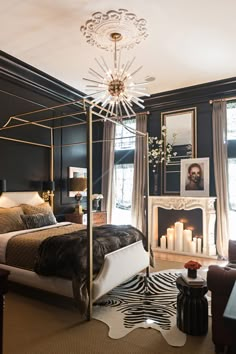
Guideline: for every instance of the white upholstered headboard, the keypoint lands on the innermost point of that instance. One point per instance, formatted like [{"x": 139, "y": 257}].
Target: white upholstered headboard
[{"x": 11, "y": 199}]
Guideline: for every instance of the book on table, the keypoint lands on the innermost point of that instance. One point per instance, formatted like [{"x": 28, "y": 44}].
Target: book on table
[{"x": 192, "y": 281}]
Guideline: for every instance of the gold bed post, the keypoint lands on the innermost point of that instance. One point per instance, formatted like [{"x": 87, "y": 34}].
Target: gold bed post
[
  {"x": 52, "y": 168},
  {"x": 146, "y": 201},
  {"x": 89, "y": 212}
]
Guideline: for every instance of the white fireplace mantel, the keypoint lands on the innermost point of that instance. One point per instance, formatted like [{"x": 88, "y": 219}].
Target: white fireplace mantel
[{"x": 207, "y": 204}]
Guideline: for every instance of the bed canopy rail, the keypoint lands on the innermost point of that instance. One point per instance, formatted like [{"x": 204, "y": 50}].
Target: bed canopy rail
[{"x": 89, "y": 110}]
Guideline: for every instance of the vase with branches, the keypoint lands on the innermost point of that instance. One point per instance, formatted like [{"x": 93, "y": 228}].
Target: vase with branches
[{"x": 158, "y": 152}]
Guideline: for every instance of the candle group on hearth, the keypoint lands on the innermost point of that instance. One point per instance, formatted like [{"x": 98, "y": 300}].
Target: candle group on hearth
[{"x": 181, "y": 240}]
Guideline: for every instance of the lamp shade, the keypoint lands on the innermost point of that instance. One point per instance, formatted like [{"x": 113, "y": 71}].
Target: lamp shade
[
  {"x": 49, "y": 185},
  {"x": 78, "y": 184},
  {"x": 3, "y": 185}
]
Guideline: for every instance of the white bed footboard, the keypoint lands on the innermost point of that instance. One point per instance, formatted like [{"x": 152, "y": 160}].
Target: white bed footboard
[
  {"x": 119, "y": 266},
  {"x": 53, "y": 285}
]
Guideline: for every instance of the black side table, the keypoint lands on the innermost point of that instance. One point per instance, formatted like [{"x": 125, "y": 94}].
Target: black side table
[{"x": 192, "y": 308}]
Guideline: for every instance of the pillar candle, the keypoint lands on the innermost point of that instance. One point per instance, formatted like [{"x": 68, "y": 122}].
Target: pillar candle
[
  {"x": 192, "y": 247},
  {"x": 199, "y": 245},
  {"x": 163, "y": 242},
  {"x": 170, "y": 242},
  {"x": 170, "y": 232},
  {"x": 179, "y": 226},
  {"x": 187, "y": 235},
  {"x": 170, "y": 238}
]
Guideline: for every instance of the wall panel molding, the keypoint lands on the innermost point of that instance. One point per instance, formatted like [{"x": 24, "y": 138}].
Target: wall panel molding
[{"x": 192, "y": 95}]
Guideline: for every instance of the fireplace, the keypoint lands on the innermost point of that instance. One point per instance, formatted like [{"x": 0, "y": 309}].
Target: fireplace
[
  {"x": 195, "y": 213},
  {"x": 191, "y": 219}
]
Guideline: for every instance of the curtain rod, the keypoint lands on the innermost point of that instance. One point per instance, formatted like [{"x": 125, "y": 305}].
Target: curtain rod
[
  {"x": 223, "y": 99},
  {"x": 133, "y": 115}
]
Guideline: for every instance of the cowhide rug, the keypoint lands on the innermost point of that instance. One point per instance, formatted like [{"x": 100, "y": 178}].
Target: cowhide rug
[{"x": 143, "y": 302}]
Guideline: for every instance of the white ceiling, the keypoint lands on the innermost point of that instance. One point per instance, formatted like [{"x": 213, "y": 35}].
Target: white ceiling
[{"x": 190, "y": 42}]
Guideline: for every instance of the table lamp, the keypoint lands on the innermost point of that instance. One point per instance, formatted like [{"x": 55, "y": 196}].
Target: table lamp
[{"x": 78, "y": 184}]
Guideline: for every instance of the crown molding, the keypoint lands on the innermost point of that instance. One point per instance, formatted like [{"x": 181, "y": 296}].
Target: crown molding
[
  {"x": 193, "y": 94},
  {"x": 13, "y": 69}
]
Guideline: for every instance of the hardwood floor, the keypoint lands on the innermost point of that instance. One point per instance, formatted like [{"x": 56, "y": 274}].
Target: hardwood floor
[{"x": 184, "y": 258}]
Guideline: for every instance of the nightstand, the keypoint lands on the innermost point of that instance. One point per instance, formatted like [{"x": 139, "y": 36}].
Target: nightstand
[
  {"x": 75, "y": 217},
  {"x": 99, "y": 218}
]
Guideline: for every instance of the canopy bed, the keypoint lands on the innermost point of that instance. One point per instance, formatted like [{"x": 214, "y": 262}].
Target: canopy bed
[{"x": 118, "y": 265}]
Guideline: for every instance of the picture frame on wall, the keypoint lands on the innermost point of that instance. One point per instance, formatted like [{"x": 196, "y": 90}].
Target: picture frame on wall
[
  {"x": 194, "y": 177},
  {"x": 181, "y": 135},
  {"x": 76, "y": 172}
]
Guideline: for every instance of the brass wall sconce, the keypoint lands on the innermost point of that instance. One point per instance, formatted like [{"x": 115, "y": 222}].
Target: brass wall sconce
[{"x": 48, "y": 189}]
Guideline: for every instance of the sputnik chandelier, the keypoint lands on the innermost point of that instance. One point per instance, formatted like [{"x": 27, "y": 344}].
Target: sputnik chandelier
[{"x": 114, "y": 88}]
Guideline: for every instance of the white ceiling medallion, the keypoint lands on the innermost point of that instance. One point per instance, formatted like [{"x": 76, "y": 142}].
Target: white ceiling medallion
[
  {"x": 99, "y": 28},
  {"x": 114, "y": 87}
]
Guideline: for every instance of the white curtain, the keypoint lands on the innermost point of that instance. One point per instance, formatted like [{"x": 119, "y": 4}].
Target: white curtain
[
  {"x": 108, "y": 153},
  {"x": 139, "y": 180},
  {"x": 219, "y": 124}
]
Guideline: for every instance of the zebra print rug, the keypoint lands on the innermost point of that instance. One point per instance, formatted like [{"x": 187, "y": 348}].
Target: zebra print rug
[{"x": 143, "y": 302}]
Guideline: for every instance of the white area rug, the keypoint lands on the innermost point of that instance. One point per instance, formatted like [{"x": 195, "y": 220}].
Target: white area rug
[{"x": 143, "y": 302}]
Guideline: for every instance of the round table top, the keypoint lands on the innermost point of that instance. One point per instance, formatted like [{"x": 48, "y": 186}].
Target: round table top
[{"x": 191, "y": 289}]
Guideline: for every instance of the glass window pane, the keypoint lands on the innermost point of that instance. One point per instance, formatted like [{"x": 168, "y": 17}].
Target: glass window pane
[
  {"x": 232, "y": 183},
  {"x": 123, "y": 194},
  {"x": 125, "y": 140},
  {"x": 232, "y": 225},
  {"x": 231, "y": 121},
  {"x": 124, "y": 185}
]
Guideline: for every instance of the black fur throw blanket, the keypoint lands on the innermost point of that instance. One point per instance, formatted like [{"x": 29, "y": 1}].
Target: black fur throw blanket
[{"x": 66, "y": 256}]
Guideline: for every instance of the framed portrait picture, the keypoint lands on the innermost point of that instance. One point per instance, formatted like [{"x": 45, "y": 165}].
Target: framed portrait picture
[
  {"x": 194, "y": 177},
  {"x": 76, "y": 172}
]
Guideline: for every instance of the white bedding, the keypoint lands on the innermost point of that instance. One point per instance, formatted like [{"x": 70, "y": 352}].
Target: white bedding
[{"x": 4, "y": 238}]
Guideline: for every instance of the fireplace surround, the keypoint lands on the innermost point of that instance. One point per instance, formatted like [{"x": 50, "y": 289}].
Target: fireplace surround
[{"x": 206, "y": 204}]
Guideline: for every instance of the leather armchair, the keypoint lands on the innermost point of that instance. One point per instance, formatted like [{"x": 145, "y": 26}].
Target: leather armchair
[{"x": 220, "y": 281}]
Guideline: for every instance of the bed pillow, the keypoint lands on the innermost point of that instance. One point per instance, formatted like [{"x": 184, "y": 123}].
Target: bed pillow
[
  {"x": 38, "y": 220},
  {"x": 10, "y": 219},
  {"x": 43, "y": 208}
]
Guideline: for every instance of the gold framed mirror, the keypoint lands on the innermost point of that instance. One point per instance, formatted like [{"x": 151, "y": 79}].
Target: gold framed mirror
[{"x": 180, "y": 143}]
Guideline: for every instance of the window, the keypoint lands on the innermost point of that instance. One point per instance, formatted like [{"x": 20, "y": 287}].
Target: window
[
  {"x": 124, "y": 185},
  {"x": 231, "y": 121},
  {"x": 231, "y": 140},
  {"x": 123, "y": 193},
  {"x": 232, "y": 183},
  {"x": 125, "y": 140},
  {"x": 124, "y": 169}
]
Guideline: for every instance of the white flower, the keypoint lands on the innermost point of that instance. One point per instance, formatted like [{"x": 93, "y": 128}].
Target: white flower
[{"x": 157, "y": 153}]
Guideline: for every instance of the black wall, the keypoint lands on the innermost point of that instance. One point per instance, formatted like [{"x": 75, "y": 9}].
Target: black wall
[
  {"x": 24, "y": 88},
  {"x": 196, "y": 96},
  {"x": 204, "y": 136}
]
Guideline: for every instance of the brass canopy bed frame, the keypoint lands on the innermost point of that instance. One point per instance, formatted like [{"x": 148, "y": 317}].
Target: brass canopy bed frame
[{"x": 118, "y": 265}]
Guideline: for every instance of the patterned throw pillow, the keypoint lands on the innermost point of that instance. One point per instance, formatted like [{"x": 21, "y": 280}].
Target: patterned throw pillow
[
  {"x": 10, "y": 219},
  {"x": 43, "y": 208},
  {"x": 37, "y": 220}
]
